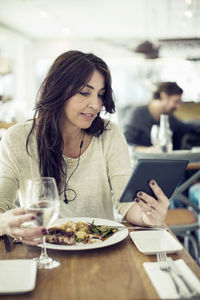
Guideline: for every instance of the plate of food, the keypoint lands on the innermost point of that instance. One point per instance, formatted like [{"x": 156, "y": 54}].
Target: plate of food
[{"x": 84, "y": 233}]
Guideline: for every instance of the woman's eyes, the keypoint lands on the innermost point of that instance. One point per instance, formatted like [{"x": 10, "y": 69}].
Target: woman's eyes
[
  {"x": 84, "y": 93},
  {"x": 87, "y": 94}
]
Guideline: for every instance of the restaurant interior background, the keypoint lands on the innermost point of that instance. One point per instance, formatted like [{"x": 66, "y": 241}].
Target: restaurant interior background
[{"x": 143, "y": 42}]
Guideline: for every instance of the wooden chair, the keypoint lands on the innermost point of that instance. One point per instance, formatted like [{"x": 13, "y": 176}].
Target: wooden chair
[
  {"x": 6, "y": 125},
  {"x": 3, "y": 127},
  {"x": 185, "y": 222}
]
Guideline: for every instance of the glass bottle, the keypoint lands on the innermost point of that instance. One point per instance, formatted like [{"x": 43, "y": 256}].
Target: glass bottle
[
  {"x": 154, "y": 135},
  {"x": 165, "y": 134}
]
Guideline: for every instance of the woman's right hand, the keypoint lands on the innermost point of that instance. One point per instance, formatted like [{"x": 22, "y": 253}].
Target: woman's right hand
[{"x": 11, "y": 224}]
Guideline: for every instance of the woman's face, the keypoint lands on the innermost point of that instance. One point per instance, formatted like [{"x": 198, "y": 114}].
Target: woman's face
[{"x": 82, "y": 108}]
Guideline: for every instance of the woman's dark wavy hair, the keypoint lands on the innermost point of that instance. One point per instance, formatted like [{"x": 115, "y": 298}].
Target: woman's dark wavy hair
[
  {"x": 69, "y": 73},
  {"x": 170, "y": 88}
]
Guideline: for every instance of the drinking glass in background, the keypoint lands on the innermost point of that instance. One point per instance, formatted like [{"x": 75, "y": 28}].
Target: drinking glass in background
[
  {"x": 43, "y": 201},
  {"x": 165, "y": 135},
  {"x": 154, "y": 135}
]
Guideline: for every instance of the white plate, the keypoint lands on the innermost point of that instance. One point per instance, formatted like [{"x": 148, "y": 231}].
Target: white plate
[
  {"x": 17, "y": 275},
  {"x": 117, "y": 237},
  {"x": 153, "y": 241}
]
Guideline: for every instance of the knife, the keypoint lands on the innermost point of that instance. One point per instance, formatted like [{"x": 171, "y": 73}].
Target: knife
[
  {"x": 176, "y": 270},
  {"x": 7, "y": 244},
  {"x": 130, "y": 227}
]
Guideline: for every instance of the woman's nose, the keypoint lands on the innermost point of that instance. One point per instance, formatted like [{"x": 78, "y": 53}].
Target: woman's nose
[{"x": 94, "y": 102}]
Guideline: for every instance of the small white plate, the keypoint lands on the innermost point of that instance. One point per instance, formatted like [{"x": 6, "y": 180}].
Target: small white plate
[
  {"x": 153, "y": 241},
  {"x": 117, "y": 237},
  {"x": 17, "y": 276}
]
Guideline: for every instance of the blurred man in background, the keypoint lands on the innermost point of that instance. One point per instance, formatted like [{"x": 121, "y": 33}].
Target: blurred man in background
[{"x": 166, "y": 100}]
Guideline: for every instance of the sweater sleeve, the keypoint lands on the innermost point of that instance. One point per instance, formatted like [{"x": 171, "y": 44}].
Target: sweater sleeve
[
  {"x": 9, "y": 168},
  {"x": 118, "y": 166}
]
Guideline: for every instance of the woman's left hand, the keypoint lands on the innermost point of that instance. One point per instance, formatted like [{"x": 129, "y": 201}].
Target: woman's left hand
[
  {"x": 153, "y": 210},
  {"x": 11, "y": 223}
]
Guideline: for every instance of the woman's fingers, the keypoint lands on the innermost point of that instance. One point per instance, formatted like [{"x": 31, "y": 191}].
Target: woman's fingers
[
  {"x": 149, "y": 200},
  {"x": 160, "y": 196},
  {"x": 28, "y": 241},
  {"x": 151, "y": 216},
  {"x": 15, "y": 218},
  {"x": 153, "y": 210},
  {"x": 12, "y": 224},
  {"x": 17, "y": 211},
  {"x": 158, "y": 192},
  {"x": 32, "y": 243},
  {"x": 146, "y": 208},
  {"x": 18, "y": 220},
  {"x": 28, "y": 234}
]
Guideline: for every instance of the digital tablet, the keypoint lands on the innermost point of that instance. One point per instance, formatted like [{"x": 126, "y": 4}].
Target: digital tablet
[{"x": 166, "y": 172}]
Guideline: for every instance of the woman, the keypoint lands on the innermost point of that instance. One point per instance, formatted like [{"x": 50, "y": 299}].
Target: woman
[{"x": 68, "y": 140}]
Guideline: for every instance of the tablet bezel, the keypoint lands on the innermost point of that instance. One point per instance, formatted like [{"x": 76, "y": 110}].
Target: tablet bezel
[{"x": 166, "y": 172}]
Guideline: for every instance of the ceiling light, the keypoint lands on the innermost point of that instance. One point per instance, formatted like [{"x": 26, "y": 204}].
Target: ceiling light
[
  {"x": 188, "y": 14},
  {"x": 66, "y": 30},
  {"x": 43, "y": 14}
]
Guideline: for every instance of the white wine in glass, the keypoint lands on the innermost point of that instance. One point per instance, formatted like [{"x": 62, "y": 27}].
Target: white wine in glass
[{"x": 43, "y": 201}]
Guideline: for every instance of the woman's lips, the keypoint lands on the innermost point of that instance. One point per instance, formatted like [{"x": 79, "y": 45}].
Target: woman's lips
[{"x": 88, "y": 116}]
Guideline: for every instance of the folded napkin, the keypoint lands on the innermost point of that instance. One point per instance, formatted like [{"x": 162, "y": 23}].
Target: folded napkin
[
  {"x": 163, "y": 283},
  {"x": 17, "y": 275}
]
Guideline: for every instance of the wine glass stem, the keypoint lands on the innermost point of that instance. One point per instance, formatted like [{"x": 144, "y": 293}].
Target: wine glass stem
[{"x": 43, "y": 251}]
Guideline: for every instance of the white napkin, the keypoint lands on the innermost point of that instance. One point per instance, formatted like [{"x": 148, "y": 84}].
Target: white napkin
[
  {"x": 17, "y": 275},
  {"x": 163, "y": 283}
]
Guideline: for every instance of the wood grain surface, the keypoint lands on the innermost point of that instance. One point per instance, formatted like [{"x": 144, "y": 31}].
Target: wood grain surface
[{"x": 114, "y": 272}]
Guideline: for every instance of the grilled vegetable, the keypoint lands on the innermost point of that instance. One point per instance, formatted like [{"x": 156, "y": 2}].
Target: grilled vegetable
[{"x": 102, "y": 230}]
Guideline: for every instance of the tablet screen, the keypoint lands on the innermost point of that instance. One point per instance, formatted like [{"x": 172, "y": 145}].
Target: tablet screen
[{"x": 168, "y": 173}]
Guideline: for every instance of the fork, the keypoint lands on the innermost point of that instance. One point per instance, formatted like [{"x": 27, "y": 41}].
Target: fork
[
  {"x": 164, "y": 266},
  {"x": 174, "y": 268}
]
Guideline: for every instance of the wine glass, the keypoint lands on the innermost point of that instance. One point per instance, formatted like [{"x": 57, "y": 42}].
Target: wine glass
[{"x": 43, "y": 201}]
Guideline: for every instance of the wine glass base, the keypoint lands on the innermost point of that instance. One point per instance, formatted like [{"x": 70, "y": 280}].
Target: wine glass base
[{"x": 47, "y": 263}]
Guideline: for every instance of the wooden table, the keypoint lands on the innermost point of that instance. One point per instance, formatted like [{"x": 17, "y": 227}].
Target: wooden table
[{"x": 111, "y": 273}]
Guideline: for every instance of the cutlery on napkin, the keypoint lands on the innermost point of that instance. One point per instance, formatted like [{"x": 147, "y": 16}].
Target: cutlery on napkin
[
  {"x": 163, "y": 283},
  {"x": 178, "y": 273}
]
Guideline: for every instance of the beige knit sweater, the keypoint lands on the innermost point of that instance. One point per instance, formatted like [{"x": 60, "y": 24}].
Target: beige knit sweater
[{"x": 99, "y": 180}]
